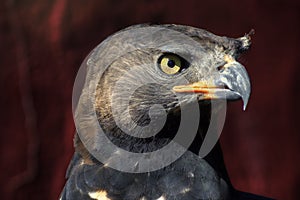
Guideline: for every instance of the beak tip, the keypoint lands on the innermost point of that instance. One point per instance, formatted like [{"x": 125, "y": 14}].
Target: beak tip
[
  {"x": 244, "y": 107},
  {"x": 245, "y": 102}
]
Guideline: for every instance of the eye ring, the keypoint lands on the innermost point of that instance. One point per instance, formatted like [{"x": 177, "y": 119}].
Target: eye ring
[{"x": 171, "y": 64}]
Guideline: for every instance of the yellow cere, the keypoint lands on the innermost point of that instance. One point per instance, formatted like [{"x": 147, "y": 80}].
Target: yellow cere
[
  {"x": 170, "y": 64},
  {"x": 229, "y": 59}
]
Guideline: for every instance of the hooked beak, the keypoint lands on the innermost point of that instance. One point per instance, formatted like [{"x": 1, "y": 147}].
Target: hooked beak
[{"x": 231, "y": 83}]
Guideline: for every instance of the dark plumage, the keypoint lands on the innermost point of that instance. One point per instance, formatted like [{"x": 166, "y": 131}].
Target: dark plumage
[{"x": 179, "y": 68}]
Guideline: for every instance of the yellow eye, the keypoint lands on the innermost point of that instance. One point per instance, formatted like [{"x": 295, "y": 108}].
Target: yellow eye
[{"x": 170, "y": 64}]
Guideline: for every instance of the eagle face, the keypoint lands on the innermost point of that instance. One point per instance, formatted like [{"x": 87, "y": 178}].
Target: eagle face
[
  {"x": 157, "y": 71},
  {"x": 144, "y": 81}
]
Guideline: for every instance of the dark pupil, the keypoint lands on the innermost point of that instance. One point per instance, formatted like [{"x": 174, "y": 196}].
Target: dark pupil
[{"x": 171, "y": 63}]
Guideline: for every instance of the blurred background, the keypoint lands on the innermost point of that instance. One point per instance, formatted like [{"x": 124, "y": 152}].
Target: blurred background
[{"x": 42, "y": 45}]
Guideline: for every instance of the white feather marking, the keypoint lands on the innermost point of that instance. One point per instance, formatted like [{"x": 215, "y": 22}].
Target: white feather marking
[
  {"x": 161, "y": 198},
  {"x": 99, "y": 195},
  {"x": 185, "y": 190}
]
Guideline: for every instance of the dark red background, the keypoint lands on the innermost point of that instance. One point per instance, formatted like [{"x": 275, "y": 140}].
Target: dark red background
[{"x": 44, "y": 42}]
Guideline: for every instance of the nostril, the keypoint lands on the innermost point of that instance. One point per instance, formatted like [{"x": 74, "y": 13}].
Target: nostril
[{"x": 220, "y": 68}]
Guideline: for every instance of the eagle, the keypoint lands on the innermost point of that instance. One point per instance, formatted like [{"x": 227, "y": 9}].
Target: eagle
[{"x": 149, "y": 104}]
